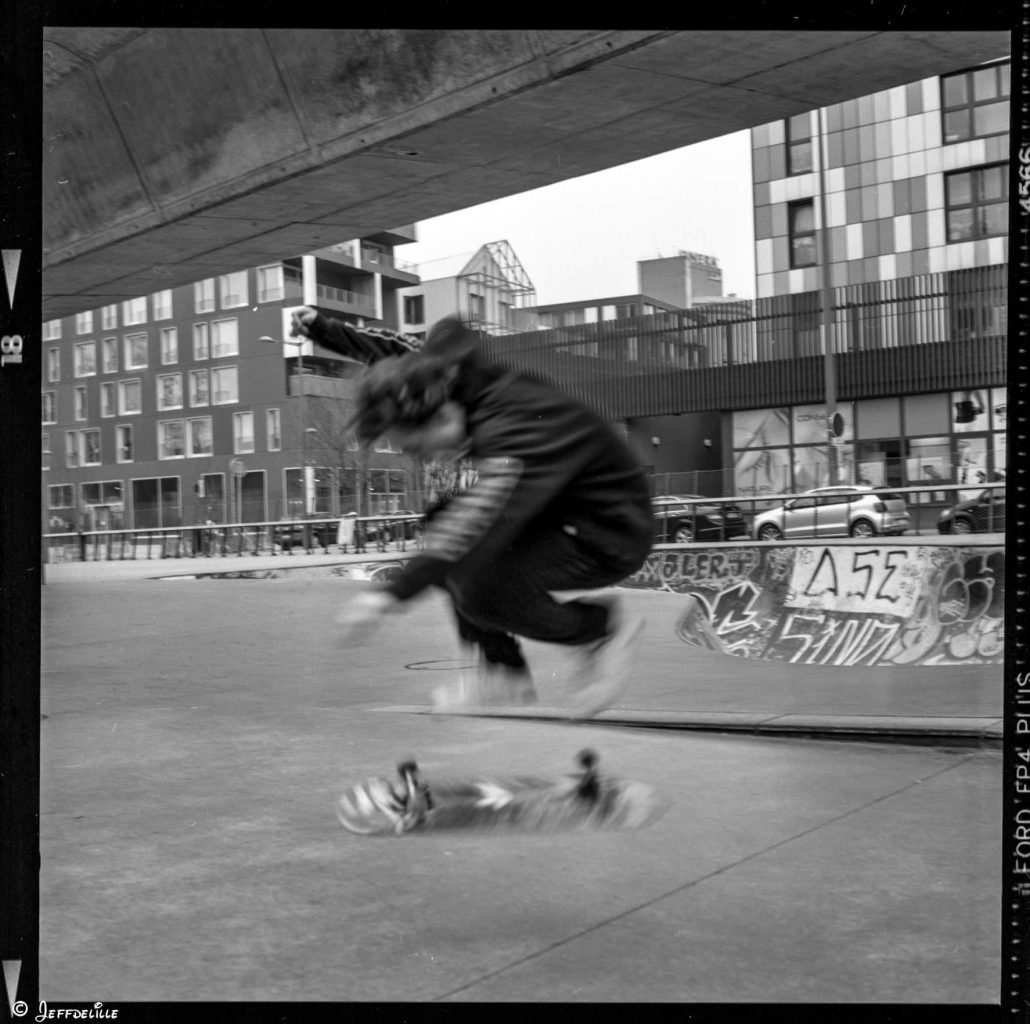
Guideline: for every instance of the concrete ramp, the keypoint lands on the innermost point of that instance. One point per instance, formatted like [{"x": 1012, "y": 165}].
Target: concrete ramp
[{"x": 847, "y": 603}]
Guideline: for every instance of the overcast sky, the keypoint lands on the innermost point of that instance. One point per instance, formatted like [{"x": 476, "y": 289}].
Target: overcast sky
[{"x": 582, "y": 238}]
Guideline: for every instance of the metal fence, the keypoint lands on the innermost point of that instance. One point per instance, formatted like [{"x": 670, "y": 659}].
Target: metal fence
[
  {"x": 344, "y": 535},
  {"x": 404, "y": 533},
  {"x": 921, "y": 332}
]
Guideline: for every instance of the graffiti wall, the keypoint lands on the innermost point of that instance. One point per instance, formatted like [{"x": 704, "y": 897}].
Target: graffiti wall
[{"x": 841, "y": 604}]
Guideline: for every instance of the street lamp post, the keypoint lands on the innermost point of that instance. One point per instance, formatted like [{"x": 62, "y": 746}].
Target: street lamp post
[
  {"x": 301, "y": 414},
  {"x": 829, "y": 366}
]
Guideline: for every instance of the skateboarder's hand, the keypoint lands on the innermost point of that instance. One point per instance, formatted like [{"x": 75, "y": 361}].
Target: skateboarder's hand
[
  {"x": 360, "y": 615},
  {"x": 301, "y": 318}
]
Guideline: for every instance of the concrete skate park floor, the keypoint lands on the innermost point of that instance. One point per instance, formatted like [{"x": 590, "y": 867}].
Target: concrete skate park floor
[{"x": 196, "y": 735}]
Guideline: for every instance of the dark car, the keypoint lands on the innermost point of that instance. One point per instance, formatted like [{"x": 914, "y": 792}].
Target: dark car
[
  {"x": 407, "y": 524},
  {"x": 680, "y": 518},
  {"x": 983, "y": 514},
  {"x": 321, "y": 533}
]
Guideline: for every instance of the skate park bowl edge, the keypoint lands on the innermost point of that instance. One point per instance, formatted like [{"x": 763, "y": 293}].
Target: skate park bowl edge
[{"x": 847, "y": 603}]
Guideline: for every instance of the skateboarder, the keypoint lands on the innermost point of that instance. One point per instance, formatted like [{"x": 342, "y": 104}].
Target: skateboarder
[{"x": 560, "y": 503}]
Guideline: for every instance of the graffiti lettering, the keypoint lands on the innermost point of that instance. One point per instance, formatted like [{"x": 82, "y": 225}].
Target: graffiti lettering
[
  {"x": 825, "y": 562},
  {"x": 840, "y": 604},
  {"x": 829, "y": 640},
  {"x": 891, "y": 567}
]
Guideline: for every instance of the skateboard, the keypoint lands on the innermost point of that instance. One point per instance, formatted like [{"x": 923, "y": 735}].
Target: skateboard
[{"x": 583, "y": 801}]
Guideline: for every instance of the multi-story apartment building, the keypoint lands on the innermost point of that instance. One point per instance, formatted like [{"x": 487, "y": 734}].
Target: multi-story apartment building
[
  {"x": 488, "y": 288},
  {"x": 914, "y": 192},
  {"x": 173, "y": 409},
  {"x": 916, "y": 200}
]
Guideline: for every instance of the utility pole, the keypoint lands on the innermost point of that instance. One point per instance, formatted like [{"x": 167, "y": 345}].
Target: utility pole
[{"x": 829, "y": 364}]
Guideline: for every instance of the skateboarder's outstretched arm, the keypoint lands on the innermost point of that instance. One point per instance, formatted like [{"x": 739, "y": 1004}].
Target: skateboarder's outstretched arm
[{"x": 366, "y": 344}]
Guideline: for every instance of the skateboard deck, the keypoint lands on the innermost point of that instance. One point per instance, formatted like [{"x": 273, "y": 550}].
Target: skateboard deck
[{"x": 583, "y": 801}]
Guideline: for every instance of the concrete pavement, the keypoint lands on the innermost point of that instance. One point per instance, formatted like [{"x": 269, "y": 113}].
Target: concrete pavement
[
  {"x": 197, "y": 732},
  {"x": 682, "y": 686}
]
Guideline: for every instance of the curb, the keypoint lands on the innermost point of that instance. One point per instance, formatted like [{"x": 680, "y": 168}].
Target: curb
[{"x": 985, "y": 733}]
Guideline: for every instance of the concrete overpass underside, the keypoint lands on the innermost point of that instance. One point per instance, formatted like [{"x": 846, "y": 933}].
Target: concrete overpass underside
[{"x": 172, "y": 155}]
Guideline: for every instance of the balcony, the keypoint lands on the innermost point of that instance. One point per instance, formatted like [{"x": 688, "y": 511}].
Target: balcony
[{"x": 329, "y": 297}]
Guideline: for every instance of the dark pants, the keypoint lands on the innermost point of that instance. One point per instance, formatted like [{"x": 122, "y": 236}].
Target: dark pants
[{"x": 511, "y": 595}]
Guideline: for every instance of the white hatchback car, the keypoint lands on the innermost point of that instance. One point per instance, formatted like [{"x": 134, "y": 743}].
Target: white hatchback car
[{"x": 835, "y": 512}]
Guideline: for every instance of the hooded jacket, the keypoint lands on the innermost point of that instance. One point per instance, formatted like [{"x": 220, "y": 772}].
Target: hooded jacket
[{"x": 544, "y": 460}]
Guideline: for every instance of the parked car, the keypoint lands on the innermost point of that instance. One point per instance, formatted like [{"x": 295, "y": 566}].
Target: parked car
[
  {"x": 983, "y": 514},
  {"x": 678, "y": 520},
  {"x": 321, "y": 533},
  {"x": 835, "y": 512},
  {"x": 410, "y": 529}
]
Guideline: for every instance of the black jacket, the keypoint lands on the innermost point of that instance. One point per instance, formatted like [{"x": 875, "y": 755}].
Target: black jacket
[{"x": 542, "y": 458}]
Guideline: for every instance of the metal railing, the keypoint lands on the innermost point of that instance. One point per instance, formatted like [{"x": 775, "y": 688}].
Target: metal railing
[
  {"x": 924, "y": 504},
  {"x": 345, "y": 535},
  {"x": 732, "y": 521},
  {"x": 923, "y": 332}
]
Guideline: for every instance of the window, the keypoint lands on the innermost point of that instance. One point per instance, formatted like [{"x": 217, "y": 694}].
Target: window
[
  {"x": 977, "y": 202},
  {"x": 134, "y": 311},
  {"x": 49, "y": 407},
  {"x": 477, "y": 307},
  {"x": 243, "y": 432},
  {"x": 414, "y": 309},
  {"x": 169, "y": 391},
  {"x": 169, "y": 345},
  {"x": 274, "y": 430},
  {"x": 109, "y": 355},
  {"x": 129, "y": 397},
  {"x": 71, "y": 448},
  {"x": 799, "y": 144},
  {"x": 801, "y": 220},
  {"x": 223, "y": 386},
  {"x": 53, "y": 365},
  {"x": 107, "y": 398},
  {"x": 270, "y": 283},
  {"x": 52, "y": 330},
  {"x": 975, "y": 104},
  {"x": 200, "y": 436},
  {"x": 170, "y": 439},
  {"x": 86, "y": 359},
  {"x": 109, "y": 317},
  {"x": 200, "y": 387},
  {"x": 224, "y": 338},
  {"x": 81, "y": 404},
  {"x": 136, "y": 354},
  {"x": 201, "y": 341},
  {"x": 162, "y": 303},
  {"x": 232, "y": 290},
  {"x": 61, "y": 496},
  {"x": 123, "y": 443},
  {"x": 204, "y": 296},
  {"x": 90, "y": 447},
  {"x": 83, "y": 323},
  {"x": 45, "y": 451},
  {"x": 104, "y": 492},
  {"x": 156, "y": 502}
]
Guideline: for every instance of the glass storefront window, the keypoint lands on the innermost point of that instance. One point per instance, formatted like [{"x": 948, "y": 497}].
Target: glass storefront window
[
  {"x": 929, "y": 461},
  {"x": 970, "y": 412},
  {"x": 761, "y": 428}
]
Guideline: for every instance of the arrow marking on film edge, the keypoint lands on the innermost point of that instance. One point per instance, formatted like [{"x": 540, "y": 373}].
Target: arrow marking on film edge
[
  {"x": 12, "y": 259},
  {"x": 12, "y": 971}
]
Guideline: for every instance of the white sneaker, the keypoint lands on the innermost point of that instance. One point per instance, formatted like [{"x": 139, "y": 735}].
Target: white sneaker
[
  {"x": 487, "y": 686},
  {"x": 604, "y": 672}
]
